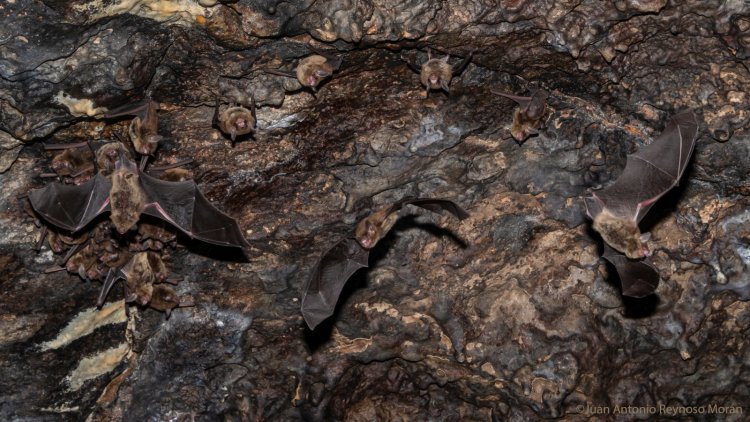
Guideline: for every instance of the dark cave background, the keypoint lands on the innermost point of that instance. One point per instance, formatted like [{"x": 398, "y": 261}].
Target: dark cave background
[{"x": 508, "y": 315}]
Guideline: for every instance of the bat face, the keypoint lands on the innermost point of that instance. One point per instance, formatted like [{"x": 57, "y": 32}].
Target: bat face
[
  {"x": 127, "y": 199},
  {"x": 436, "y": 74},
  {"x": 235, "y": 121}
]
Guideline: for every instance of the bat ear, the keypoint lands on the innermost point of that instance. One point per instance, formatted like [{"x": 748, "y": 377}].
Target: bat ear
[
  {"x": 445, "y": 59},
  {"x": 320, "y": 73},
  {"x": 429, "y": 54},
  {"x": 645, "y": 237}
]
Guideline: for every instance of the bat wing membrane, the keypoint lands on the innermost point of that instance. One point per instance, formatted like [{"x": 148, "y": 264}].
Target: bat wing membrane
[
  {"x": 434, "y": 205},
  {"x": 322, "y": 290},
  {"x": 638, "y": 277},
  {"x": 652, "y": 170},
  {"x": 72, "y": 207},
  {"x": 184, "y": 206}
]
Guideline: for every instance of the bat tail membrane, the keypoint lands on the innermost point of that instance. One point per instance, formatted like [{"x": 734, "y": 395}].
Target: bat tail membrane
[
  {"x": 72, "y": 207},
  {"x": 637, "y": 277}
]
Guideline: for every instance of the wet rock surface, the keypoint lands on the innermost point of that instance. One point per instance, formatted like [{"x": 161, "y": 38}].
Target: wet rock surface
[{"x": 509, "y": 314}]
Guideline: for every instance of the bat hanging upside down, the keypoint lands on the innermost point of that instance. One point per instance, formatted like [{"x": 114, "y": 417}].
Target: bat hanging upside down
[
  {"x": 617, "y": 209},
  {"x": 313, "y": 69},
  {"x": 322, "y": 290},
  {"x": 528, "y": 115},
  {"x": 436, "y": 73},
  {"x": 144, "y": 127}
]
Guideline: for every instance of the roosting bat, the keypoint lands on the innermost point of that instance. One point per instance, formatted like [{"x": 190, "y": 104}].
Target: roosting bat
[
  {"x": 144, "y": 127},
  {"x": 529, "y": 113},
  {"x": 637, "y": 277},
  {"x": 436, "y": 73},
  {"x": 130, "y": 193},
  {"x": 649, "y": 173},
  {"x": 235, "y": 120},
  {"x": 312, "y": 69},
  {"x": 322, "y": 290}
]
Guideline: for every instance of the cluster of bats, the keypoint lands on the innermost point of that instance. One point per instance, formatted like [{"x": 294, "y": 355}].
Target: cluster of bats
[{"x": 147, "y": 212}]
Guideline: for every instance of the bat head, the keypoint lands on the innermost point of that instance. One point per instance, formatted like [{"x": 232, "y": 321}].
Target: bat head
[{"x": 367, "y": 233}]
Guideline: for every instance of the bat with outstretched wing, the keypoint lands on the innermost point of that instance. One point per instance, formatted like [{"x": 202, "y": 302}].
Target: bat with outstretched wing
[
  {"x": 336, "y": 266},
  {"x": 130, "y": 193},
  {"x": 638, "y": 277},
  {"x": 649, "y": 174}
]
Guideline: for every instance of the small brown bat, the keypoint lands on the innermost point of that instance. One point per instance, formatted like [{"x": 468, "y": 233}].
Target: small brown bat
[
  {"x": 131, "y": 193},
  {"x": 649, "y": 173},
  {"x": 528, "y": 115},
  {"x": 312, "y": 70},
  {"x": 164, "y": 299},
  {"x": 172, "y": 172},
  {"x": 336, "y": 266},
  {"x": 616, "y": 210},
  {"x": 235, "y": 120},
  {"x": 141, "y": 272},
  {"x": 75, "y": 163},
  {"x": 436, "y": 73},
  {"x": 144, "y": 127},
  {"x": 638, "y": 277}
]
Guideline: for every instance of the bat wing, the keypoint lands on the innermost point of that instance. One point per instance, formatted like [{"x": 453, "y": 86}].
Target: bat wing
[
  {"x": 72, "y": 207},
  {"x": 456, "y": 70},
  {"x": 281, "y": 73},
  {"x": 332, "y": 59},
  {"x": 139, "y": 108},
  {"x": 638, "y": 277},
  {"x": 434, "y": 205},
  {"x": 184, "y": 206},
  {"x": 652, "y": 170},
  {"x": 322, "y": 290},
  {"x": 522, "y": 101}
]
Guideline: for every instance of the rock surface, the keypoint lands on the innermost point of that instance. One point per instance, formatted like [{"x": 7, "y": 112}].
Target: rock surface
[{"x": 508, "y": 315}]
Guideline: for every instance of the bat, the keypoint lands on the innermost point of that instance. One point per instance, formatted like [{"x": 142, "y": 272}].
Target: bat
[
  {"x": 128, "y": 194},
  {"x": 144, "y": 127},
  {"x": 313, "y": 69},
  {"x": 528, "y": 115},
  {"x": 74, "y": 163},
  {"x": 649, "y": 173},
  {"x": 436, "y": 73},
  {"x": 164, "y": 299},
  {"x": 235, "y": 120},
  {"x": 638, "y": 277},
  {"x": 336, "y": 266}
]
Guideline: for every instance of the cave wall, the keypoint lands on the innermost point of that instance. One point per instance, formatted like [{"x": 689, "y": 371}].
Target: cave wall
[{"x": 509, "y": 314}]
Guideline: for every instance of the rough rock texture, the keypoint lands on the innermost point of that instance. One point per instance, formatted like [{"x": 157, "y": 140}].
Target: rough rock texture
[{"x": 508, "y": 315}]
